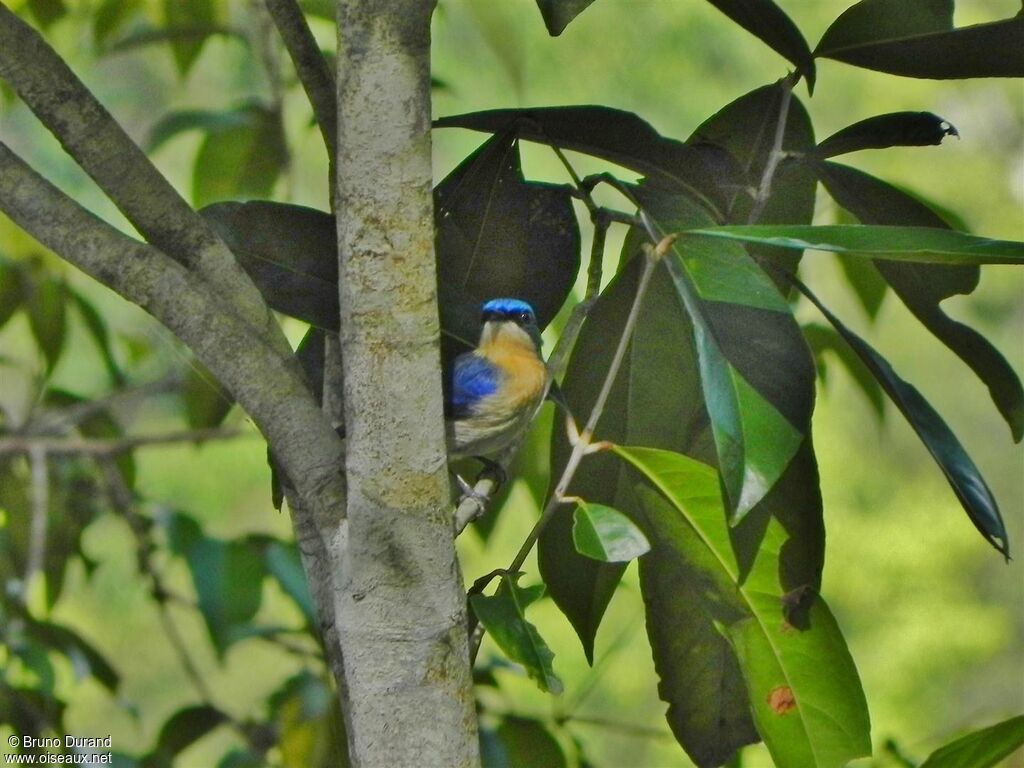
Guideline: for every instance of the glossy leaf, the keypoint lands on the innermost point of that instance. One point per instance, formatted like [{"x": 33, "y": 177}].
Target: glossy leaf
[
  {"x": 46, "y": 317},
  {"x": 981, "y": 749},
  {"x": 923, "y": 287},
  {"x": 558, "y": 13},
  {"x": 188, "y": 14},
  {"x": 914, "y": 244},
  {"x": 499, "y": 235},
  {"x": 758, "y": 414},
  {"x": 603, "y": 533},
  {"x": 916, "y": 38},
  {"x": 963, "y": 476},
  {"x": 241, "y": 161},
  {"x": 504, "y": 617},
  {"x": 806, "y": 718},
  {"x": 765, "y": 20},
  {"x": 896, "y": 129},
  {"x": 619, "y": 137}
]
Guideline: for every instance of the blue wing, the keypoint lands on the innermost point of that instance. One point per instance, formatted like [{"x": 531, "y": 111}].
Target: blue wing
[{"x": 473, "y": 378}]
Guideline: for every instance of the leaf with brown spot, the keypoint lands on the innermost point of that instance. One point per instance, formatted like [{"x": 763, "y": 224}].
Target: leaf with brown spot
[{"x": 781, "y": 699}]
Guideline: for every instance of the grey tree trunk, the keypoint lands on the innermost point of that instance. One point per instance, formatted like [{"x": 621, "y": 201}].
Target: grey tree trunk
[{"x": 401, "y": 606}]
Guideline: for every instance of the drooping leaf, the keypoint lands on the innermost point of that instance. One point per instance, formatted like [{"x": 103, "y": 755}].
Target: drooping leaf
[
  {"x": 746, "y": 128},
  {"x": 915, "y": 38},
  {"x": 981, "y": 749},
  {"x": 963, "y": 476},
  {"x": 46, "y": 317},
  {"x": 504, "y": 616},
  {"x": 896, "y": 129},
  {"x": 914, "y": 244},
  {"x": 759, "y": 414},
  {"x": 243, "y": 160},
  {"x": 289, "y": 251},
  {"x": 619, "y": 137},
  {"x": 188, "y": 14},
  {"x": 782, "y": 637},
  {"x": 824, "y": 339},
  {"x": 922, "y": 287},
  {"x": 499, "y": 235},
  {"x": 603, "y": 533},
  {"x": 558, "y": 13},
  {"x": 765, "y": 20}
]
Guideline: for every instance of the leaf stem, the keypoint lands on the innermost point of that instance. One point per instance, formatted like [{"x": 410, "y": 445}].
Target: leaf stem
[{"x": 777, "y": 154}]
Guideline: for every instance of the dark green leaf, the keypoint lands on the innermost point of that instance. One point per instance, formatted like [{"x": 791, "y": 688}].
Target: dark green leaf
[
  {"x": 963, "y": 476},
  {"x": 504, "y": 617},
  {"x": 110, "y": 16},
  {"x": 241, "y": 161},
  {"x": 527, "y": 742},
  {"x": 558, "y": 13},
  {"x": 321, "y": 8},
  {"x": 188, "y": 14},
  {"x": 499, "y": 235},
  {"x": 177, "y": 36},
  {"x": 980, "y": 749},
  {"x": 896, "y": 129},
  {"x": 282, "y": 561},
  {"x": 923, "y": 287},
  {"x": 11, "y": 290},
  {"x": 184, "y": 728},
  {"x": 47, "y": 11},
  {"x": 289, "y": 251},
  {"x": 208, "y": 121},
  {"x": 867, "y": 283},
  {"x": 206, "y": 402},
  {"x": 619, "y": 137},
  {"x": 915, "y": 244},
  {"x": 85, "y": 660},
  {"x": 29, "y": 711},
  {"x": 824, "y": 339},
  {"x": 765, "y": 20},
  {"x": 46, "y": 316},
  {"x": 916, "y": 38},
  {"x": 97, "y": 328},
  {"x": 782, "y": 637},
  {"x": 605, "y": 534}
]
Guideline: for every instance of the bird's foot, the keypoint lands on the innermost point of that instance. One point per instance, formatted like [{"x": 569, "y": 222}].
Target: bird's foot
[
  {"x": 494, "y": 470},
  {"x": 476, "y": 499}
]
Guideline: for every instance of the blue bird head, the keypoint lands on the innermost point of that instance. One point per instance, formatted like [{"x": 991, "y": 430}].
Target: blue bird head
[{"x": 515, "y": 311}]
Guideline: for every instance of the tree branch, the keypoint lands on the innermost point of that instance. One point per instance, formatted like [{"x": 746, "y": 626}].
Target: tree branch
[
  {"x": 101, "y": 147},
  {"x": 310, "y": 65},
  {"x": 26, "y": 444}
]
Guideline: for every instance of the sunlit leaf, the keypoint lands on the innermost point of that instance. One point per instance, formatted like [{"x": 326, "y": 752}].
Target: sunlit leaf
[
  {"x": 896, "y": 129},
  {"x": 783, "y": 636},
  {"x": 963, "y": 476},
  {"x": 605, "y": 534},
  {"x": 981, "y": 749},
  {"x": 504, "y": 617},
  {"x": 916, "y": 38}
]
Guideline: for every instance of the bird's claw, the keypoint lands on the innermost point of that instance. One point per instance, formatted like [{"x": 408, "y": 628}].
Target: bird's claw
[{"x": 469, "y": 493}]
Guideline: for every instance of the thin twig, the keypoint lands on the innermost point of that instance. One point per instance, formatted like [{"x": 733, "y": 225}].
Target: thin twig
[
  {"x": 40, "y": 473},
  {"x": 27, "y": 444},
  {"x": 314, "y": 73},
  {"x": 777, "y": 154}
]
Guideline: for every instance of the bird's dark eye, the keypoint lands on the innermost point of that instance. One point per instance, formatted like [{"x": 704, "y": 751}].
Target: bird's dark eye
[{"x": 524, "y": 318}]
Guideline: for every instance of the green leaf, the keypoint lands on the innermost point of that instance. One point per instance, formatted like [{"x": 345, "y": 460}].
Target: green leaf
[
  {"x": 914, "y": 244},
  {"x": 765, "y": 20},
  {"x": 525, "y": 742},
  {"x": 896, "y": 129},
  {"x": 46, "y": 316},
  {"x": 282, "y": 561},
  {"x": 109, "y": 18},
  {"x": 289, "y": 251},
  {"x": 915, "y": 38},
  {"x": 759, "y": 414},
  {"x": 619, "y": 137},
  {"x": 188, "y": 15},
  {"x": 206, "y": 402},
  {"x": 866, "y": 281},
  {"x": 504, "y": 617},
  {"x": 97, "y": 328},
  {"x": 824, "y": 339},
  {"x": 982, "y": 748},
  {"x": 605, "y": 534},
  {"x": 963, "y": 476},
  {"x": 11, "y": 291},
  {"x": 923, "y": 287},
  {"x": 182, "y": 729},
  {"x": 241, "y": 161},
  {"x": 47, "y": 12},
  {"x": 85, "y": 660},
  {"x": 177, "y": 36},
  {"x": 499, "y": 235},
  {"x": 783, "y": 637},
  {"x": 208, "y": 121},
  {"x": 307, "y": 720},
  {"x": 746, "y": 129},
  {"x": 558, "y": 13}
]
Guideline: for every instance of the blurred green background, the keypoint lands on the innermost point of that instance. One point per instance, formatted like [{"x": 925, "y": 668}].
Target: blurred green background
[{"x": 933, "y": 616}]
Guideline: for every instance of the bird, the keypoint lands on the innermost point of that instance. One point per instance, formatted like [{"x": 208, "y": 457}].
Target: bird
[{"x": 494, "y": 390}]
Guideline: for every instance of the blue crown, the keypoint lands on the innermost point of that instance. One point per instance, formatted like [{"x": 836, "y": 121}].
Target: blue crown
[{"x": 506, "y": 307}]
